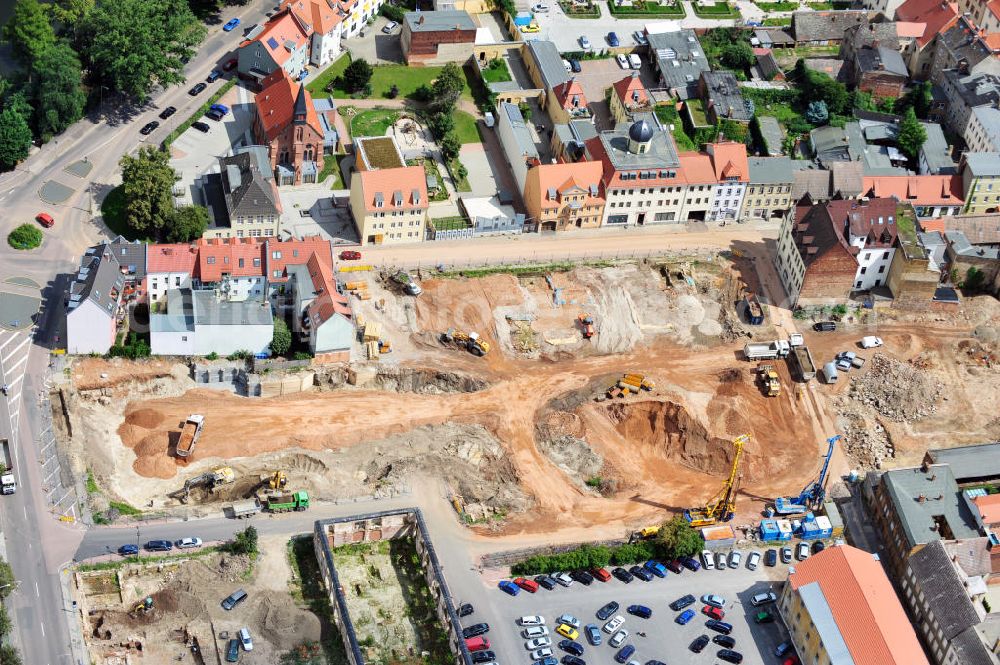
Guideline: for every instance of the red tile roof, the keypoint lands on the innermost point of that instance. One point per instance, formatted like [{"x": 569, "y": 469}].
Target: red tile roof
[
  {"x": 316, "y": 15},
  {"x": 278, "y": 255},
  {"x": 625, "y": 87},
  {"x": 387, "y": 182},
  {"x": 864, "y": 606},
  {"x": 931, "y": 225},
  {"x": 237, "y": 257},
  {"x": 328, "y": 301},
  {"x": 276, "y": 103},
  {"x": 568, "y": 92},
  {"x": 729, "y": 160},
  {"x": 935, "y": 14},
  {"x": 565, "y": 177},
  {"x": 283, "y": 27},
  {"x": 697, "y": 168},
  {"x": 910, "y": 30},
  {"x": 916, "y": 189},
  {"x": 989, "y": 508},
  {"x": 179, "y": 258}
]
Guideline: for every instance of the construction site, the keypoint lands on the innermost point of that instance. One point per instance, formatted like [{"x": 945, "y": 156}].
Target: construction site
[{"x": 521, "y": 383}]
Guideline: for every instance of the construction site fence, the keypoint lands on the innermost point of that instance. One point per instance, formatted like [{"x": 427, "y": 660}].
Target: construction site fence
[{"x": 548, "y": 259}]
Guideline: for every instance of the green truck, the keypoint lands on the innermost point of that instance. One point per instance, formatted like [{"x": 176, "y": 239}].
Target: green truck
[{"x": 286, "y": 501}]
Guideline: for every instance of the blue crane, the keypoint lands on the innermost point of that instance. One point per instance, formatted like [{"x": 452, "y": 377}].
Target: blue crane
[{"x": 813, "y": 493}]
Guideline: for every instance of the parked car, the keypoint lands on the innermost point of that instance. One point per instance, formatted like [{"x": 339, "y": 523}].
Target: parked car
[
  {"x": 640, "y": 38},
  {"x": 684, "y": 617},
  {"x": 213, "y": 76},
  {"x": 543, "y": 652},
  {"x": 233, "y": 651},
  {"x": 675, "y": 566},
  {"x": 230, "y": 64},
  {"x": 771, "y": 558},
  {"x": 656, "y": 568},
  {"x": 802, "y": 551},
  {"x": 612, "y": 39},
  {"x": 149, "y": 128},
  {"x": 730, "y": 656},
  {"x": 713, "y": 599},
  {"x": 624, "y": 653},
  {"x": 128, "y": 550},
  {"x": 563, "y": 579},
  {"x": 870, "y": 342},
  {"x": 567, "y": 66},
  {"x": 245, "y": 640},
  {"x": 618, "y": 638},
  {"x": 782, "y": 648},
  {"x": 726, "y": 641},
  {"x": 719, "y": 626},
  {"x": 734, "y": 559},
  {"x": 682, "y": 602},
  {"x": 545, "y": 581},
  {"x": 575, "y": 66},
  {"x": 641, "y": 573},
  {"x": 167, "y": 112},
  {"x": 613, "y": 625},
  {"x": 584, "y": 42},
  {"x": 607, "y": 611},
  {"x": 600, "y": 574},
  {"x": 46, "y": 220},
  {"x": 531, "y": 586},
  {"x": 622, "y": 574},
  {"x": 537, "y": 643},
  {"x": 569, "y": 620},
  {"x": 720, "y": 560},
  {"x": 786, "y": 555},
  {"x": 548, "y": 660},
  {"x": 532, "y": 632},
  {"x": 622, "y": 61},
  {"x": 764, "y": 617},
  {"x": 188, "y": 543},
  {"x": 824, "y": 326},
  {"x": 197, "y": 89},
  {"x": 234, "y": 599},
  {"x": 531, "y": 28},
  {"x": 231, "y": 24},
  {"x": 583, "y": 577},
  {"x": 634, "y": 61},
  {"x": 159, "y": 546},
  {"x": 567, "y": 631},
  {"x": 818, "y": 546},
  {"x": 475, "y": 630},
  {"x": 483, "y": 656},
  {"x": 569, "y": 659},
  {"x": 531, "y": 620},
  {"x": 593, "y": 634},
  {"x": 540, "y": 8},
  {"x": 572, "y": 647},
  {"x": 480, "y": 643},
  {"x": 640, "y": 611},
  {"x": 690, "y": 563},
  {"x": 753, "y": 560},
  {"x": 465, "y": 609},
  {"x": 389, "y": 27},
  {"x": 200, "y": 126},
  {"x": 509, "y": 587},
  {"x": 699, "y": 643},
  {"x": 713, "y": 612},
  {"x": 763, "y": 598}
]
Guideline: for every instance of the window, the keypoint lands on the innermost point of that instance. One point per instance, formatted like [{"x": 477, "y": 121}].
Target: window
[
  {"x": 885, "y": 255},
  {"x": 881, "y": 269},
  {"x": 276, "y": 273},
  {"x": 210, "y": 260},
  {"x": 275, "y": 255},
  {"x": 617, "y": 219}
]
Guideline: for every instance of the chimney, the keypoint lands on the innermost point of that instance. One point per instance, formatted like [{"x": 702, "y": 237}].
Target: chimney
[{"x": 420, "y": 21}]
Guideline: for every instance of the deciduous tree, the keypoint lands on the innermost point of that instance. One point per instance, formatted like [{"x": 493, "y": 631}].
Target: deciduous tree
[
  {"x": 7, "y": 581},
  {"x": 28, "y": 30},
  {"x": 148, "y": 180},
  {"x": 15, "y": 138},
  {"x": 678, "y": 538},
  {"x": 357, "y": 75},
  {"x": 450, "y": 146},
  {"x": 447, "y": 88},
  {"x": 189, "y": 223},
  {"x": 737, "y": 55},
  {"x": 282, "y": 339},
  {"x": 59, "y": 97},
  {"x": 911, "y": 134}
]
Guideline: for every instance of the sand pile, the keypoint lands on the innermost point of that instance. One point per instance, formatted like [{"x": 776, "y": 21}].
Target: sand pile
[{"x": 285, "y": 626}]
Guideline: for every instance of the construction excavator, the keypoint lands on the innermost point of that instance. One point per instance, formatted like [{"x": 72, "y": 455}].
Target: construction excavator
[
  {"x": 142, "y": 607},
  {"x": 722, "y": 507},
  {"x": 277, "y": 480},
  {"x": 470, "y": 341},
  {"x": 222, "y": 475}
]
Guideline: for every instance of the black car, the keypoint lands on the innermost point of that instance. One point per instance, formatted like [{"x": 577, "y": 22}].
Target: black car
[
  {"x": 465, "y": 610},
  {"x": 682, "y": 602},
  {"x": 197, "y": 89},
  {"x": 200, "y": 126},
  {"x": 825, "y": 326},
  {"x": 215, "y": 115},
  {"x": 569, "y": 646},
  {"x": 233, "y": 651},
  {"x": 575, "y": 66},
  {"x": 545, "y": 581},
  {"x": 159, "y": 546},
  {"x": 818, "y": 546},
  {"x": 622, "y": 574},
  {"x": 730, "y": 656},
  {"x": 475, "y": 630},
  {"x": 716, "y": 625},
  {"x": 234, "y": 599},
  {"x": 607, "y": 611},
  {"x": 674, "y": 566},
  {"x": 149, "y": 128},
  {"x": 483, "y": 656},
  {"x": 771, "y": 558},
  {"x": 583, "y": 577},
  {"x": 724, "y": 641},
  {"x": 641, "y": 573},
  {"x": 699, "y": 643},
  {"x": 573, "y": 660},
  {"x": 167, "y": 112}
]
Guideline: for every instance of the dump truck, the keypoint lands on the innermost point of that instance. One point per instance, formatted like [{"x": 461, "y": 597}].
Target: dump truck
[
  {"x": 802, "y": 362},
  {"x": 244, "y": 509},
  {"x": 755, "y": 312},
  {"x": 769, "y": 379},
  {"x": 282, "y": 502},
  {"x": 636, "y": 381},
  {"x": 779, "y": 348},
  {"x": 7, "y": 479},
  {"x": 190, "y": 434}
]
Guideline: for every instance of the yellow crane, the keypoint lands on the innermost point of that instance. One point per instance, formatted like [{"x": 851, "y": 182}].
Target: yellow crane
[{"x": 722, "y": 507}]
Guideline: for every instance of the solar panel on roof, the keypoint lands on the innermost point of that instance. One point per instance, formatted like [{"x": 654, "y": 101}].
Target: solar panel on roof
[{"x": 272, "y": 42}]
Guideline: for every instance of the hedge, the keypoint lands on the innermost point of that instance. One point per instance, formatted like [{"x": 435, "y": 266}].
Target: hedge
[{"x": 589, "y": 556}]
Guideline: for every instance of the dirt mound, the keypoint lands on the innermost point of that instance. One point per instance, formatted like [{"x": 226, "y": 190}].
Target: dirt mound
[
  {"x": 284, "y": 625},
  {"x": 899, "y": 391},
  {"x": 145, "y": 417}
]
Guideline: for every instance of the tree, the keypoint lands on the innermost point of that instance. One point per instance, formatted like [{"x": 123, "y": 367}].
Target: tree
[
  {"x": 148, "y": 180},
  {"x": 974, "y": 279},
  {"x": 738, "y": 56},
  {"x": 245, "y": 542},
  {"x": 25, "y": 236},
  {"x": 450, "y": 146},
  {"x": 817, "y": 113},
  {"x": 679, "y": 538},
  {"x": 282, "y": 339},
  {"x": 28, "y": 30},
  {"x": 5, "y": 625},
  {"x": 357, "y": 75},
  {"x": 440, "y": 124},
  {"x": 15, "y": 138},
  {"x": 7, "y": 582},
  {"x": 70, "y": 14},
  {"x": 59, "y": 97},
  {"x": 447, "y": 88},
  {"x": 818, "y": 86},
  {"x": 918, "y": 98},
  {"x": 132, "y": 45},
  {"x": 911, "y": 134},
  {"x": 863, "y": 100},
  {"x": 189, "y": 223}
]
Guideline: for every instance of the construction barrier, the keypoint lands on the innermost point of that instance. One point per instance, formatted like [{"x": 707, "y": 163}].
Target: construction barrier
[{"x": 354, "y": 268}]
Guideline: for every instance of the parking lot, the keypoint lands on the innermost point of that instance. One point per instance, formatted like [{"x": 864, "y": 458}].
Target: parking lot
[{"x": 664, "y": 640}]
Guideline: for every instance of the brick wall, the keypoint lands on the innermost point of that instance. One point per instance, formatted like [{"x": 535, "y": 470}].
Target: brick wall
[
  {"x": 830, "y": 276},
  {"x": 910, "y": 281}
]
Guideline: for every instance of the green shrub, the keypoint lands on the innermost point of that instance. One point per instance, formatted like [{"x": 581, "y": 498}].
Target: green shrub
[
  {"x": 136, "y": 347},
  {"x": 25, "y": 236}
]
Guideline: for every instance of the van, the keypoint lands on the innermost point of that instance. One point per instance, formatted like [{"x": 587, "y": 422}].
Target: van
[
  {"x": 708, "y": 560},
  {"x": 233, "y": 651},
  {"x": 489, "y": 119},
  {"x": 830, "y": 372},
  {"x": 245, "y": 639},
  {"x": 825, "y": 326},
  {"x": 480, "y": 643},
  {"x": 234, "y": 599}
]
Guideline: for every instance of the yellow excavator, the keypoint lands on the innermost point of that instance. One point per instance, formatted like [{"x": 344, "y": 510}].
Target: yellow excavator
[
  {"x": 476, "y": 345},
  {"x": 277, "y": 480},
  {"x": 722, "y": 507},
  {"x": 222, "y": 475}
]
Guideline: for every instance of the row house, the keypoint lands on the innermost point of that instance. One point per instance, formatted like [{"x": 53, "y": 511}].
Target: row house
[
  {"x": 564, "y": 196},
  {"x": 769, "y": 189},
  {"x": 965, "y": 92},
  {"x": 930, "y": 195},
  {"x": 964, "y": 47},
  {"x": 982, "y": 134},
  {"x": 981, "y": 182},
  {"x": 732, "y": 173},
  {"x": 563, "y": 97}
]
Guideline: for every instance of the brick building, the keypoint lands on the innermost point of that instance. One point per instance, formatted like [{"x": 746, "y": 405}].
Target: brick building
[
  {"x": 437, "y": 36},
  {"x": 287, "y": 123}
]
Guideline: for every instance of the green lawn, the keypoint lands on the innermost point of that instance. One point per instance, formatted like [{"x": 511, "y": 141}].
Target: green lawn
[
  {"x": 450, "y": 223},
  {"x": 696, "y": 109},
  {"x": 820, "y": 6},
  {"x": 668, "y": 116},
  {"x": 574, "y": 11},
  {"x": 407, "y": 79},
  {"x": 717, "y": 11},
  {"x": 331, "y": 167},
  {"x": 431, "y": 169},
  {"x": 462, "y": 184},
  {"x": 648, "y": 8},
  {"x": 373, "y": 122},
  {"x": 777, "y": 22},
  {"x": 777, "y": 6},
  {"x": 465, "y": 127},
  {"x": 815, "y": 51},
  {"x": 496, "y": 71}
]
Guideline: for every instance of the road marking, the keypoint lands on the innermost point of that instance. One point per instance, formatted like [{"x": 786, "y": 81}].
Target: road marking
[
  {"x": 23, "y": 359},
  {"x": 40, "y": 624},
  {"x": 25, "y": 509},
  {"x": 17, "y": 348},
  {"x": 37, "y": 593},
  {"x": 11, "y": 339}
]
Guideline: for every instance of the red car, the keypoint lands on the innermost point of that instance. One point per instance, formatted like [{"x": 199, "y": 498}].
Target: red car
[
  {"x": 531, "y": 586},
  {"x": 45, "y": 219},
  {"x": 714, "y": 612},
  {"x": 600, "y": 574},
  {"x": 477, "y": 643},
  {"x": 350, "y": 255},
  {"x": 230, "y": 64}
]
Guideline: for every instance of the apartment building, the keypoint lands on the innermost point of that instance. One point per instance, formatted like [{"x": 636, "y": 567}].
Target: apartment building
[
  {"x": 629, "y": 96},
  {"x": 930, "y": 195},
  {"x": 769, "y": 190},
  {"x": 559, "y": 197},
  {"x": 981, "y": 182},
  {"x": 732, "y": 173},
  {"x": 388, "y": 198},
  {"x": 982, "y": 134}
]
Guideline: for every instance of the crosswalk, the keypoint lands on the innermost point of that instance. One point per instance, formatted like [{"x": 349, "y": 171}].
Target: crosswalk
[{"x": 14, "y": 349}]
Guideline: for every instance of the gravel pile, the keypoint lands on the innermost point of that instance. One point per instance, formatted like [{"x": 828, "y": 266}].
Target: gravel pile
[
  {"x": 866, "y": 443},
  {"x": 898, "y": 391}
]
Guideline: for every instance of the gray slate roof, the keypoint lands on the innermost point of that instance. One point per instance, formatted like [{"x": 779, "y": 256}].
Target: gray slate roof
[
  {"x": 970, "y": 648},
  {"x": 980, "y": 89},
  {"x": 771, "y": 131},
  {"x": 131, "y": 255},
  {"x": 983, "y": 163},
  {"x": 846, "y": 178},
  {"x": 209, "y": 310},
  {"x": 723, "y": 91},
  {"x": 771, "y": 171},
  {"x": 522, "y": 135},
  {"x": 882, "y": 33},
  {"x": 824, "y": 25},
  {"x": 943, "y": 590},
  {"x": 936, "y": 151},
  {"x": 549, "y": 62},
  {"x": 441, "y": 21},
  {"x": 815, "y": 182},
  {"x": 248, "y": 183},
  {"x": 680, "y": 60},
  {"x": 99, "y": 280},
  {"x": 881, "y": 58},
  {"x": 962, "y": 247},
  {"x": 905, "y": 487}
]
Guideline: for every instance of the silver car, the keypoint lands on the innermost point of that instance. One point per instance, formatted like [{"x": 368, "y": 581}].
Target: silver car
[
  {"x": 614, "y": 624},
  {"x": 532, "y": 620},
  {"x": 537, "y": 643},
  {"x": 618, "y": 638},
  {"x": 734, "y": 559},
  {"x": 538, "y": 654},
  {"x": 534, "y": 631}
]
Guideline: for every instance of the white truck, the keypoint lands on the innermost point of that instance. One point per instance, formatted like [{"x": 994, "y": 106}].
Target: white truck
[
  {"x": 7, "y": 479},
  {"x": 779, "y": 348},
  {"x": 248, "y": 508},
  {"x": 190, "y": 434}
]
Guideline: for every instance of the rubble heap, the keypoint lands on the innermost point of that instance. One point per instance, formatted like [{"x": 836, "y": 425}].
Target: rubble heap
[
  {"x": 866, "y": 443},
  {"x": 898, "y": 391}
]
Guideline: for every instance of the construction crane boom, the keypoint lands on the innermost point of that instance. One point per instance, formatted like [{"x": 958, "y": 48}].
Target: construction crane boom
[
  {"x": 722, "y": 507},
  {"x": 812, "y": 494}
]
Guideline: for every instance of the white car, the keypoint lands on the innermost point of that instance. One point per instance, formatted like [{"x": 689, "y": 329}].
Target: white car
[
  {"x": 707, "y": 560},
  {"x": 531, "y": 621},
  {"x": 537, "y": 643},
  {"x": 245, "y": 640},
  {"x": 188, "y": 543},
  {"x": 870, "y": 342},
  {"x": 538, "y": 654},
  {"x": 584, "y": 42},
  {"x": 634, "y": 61},
  {"x": 534, "y": 631},
  {"x": 614, "y": 624},
  {"x": 569, "y": 620},
  {"x": 563, "y": 578},
  {"x": 567, "y": 66},
  {"x": 618, "y": 638},
  {"x": 802, "y": 551},
  {"x": 622, "y": 61},
  {"x": 389, "y": 27},
  {"x": 540, "y": 8},
  {"x": 734, "y": 559},
  {"x": 753, "y": 560}
]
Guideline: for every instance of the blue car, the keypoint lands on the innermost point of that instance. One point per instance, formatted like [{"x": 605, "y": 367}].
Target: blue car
[
  {"x": 612, "y": 39},
  {"x": 690, "y": 563},
  {"x": 509, "y": 587},
  {"x": 640, "y": 611},
  {"x": 656, "y": 568},
  {"x": 128, "y": 550},
  {"x": 303, "y": 75},
  {"x": 684, "y": 617},
  {"x": 569, "y": 646},
  {"x": 625, "y": 653},
  {"x": 231, "y": 24},
  {"x": 593, "y": 634},
  {"x": 219, "y": 108}
]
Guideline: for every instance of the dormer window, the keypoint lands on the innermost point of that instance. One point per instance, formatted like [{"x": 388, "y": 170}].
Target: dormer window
[{"x": 379, "y": 200}]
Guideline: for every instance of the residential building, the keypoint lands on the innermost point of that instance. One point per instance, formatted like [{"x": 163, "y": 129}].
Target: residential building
[
  {"x": 94, "y": 299},
  {"x": 840, "y": 608},
  {"x": 699, "y": 171},
  {"x": 988, "y": 16},
  {"x": 568, "y": 102},
  {"x": 930, "y": 195},
  {"x": 935, "y": 154},
  {"x": 517, "y": 142},
  {"x": 280, "y": 256},
  {"x": 811, "y": 182},
  {"x": 437, "y": 36},
  {"x": 323, "y": 21},
  {"x": 543, "y": 63},
  {"x": 824, "y": 28},
  {"x": 965, "y": 92},
  {"x": 248, "y": 205},
  {"x": 981, "y": 182},
  {"x": 287, "y": 123},
  {"x": 915, "y": 506},
  {"x": 282, "y": 44},
  {"x": 938, "y": 595},
  {"x": 629, "y": 96},
  {"x": 678, "y": 60},
  {"x": 773, "y": 38},
  {"x": 982, "y": 134},
  {"x": 934, "y": 16},
  {"x": 846, "y": 179},
  {"x": 559, "y": 197},
  {"x": 641, "y": 177},
  {"x": 875, "y": 33},
  {"x": 232, "y": 266},
  {"x": 886, "y": 7},
  {"x": 168, "y": 266},
  {"x": 961, "y": 46},
  {"x": 720, "y": 92},
  {"x": 732, "y": 173},
  {"x": 963, "y": 256},
  {"x": 880, "y": 71},
  {"x": 197, "y": 322},
  {"x": 388, "y": 199},
  {"x": 971, "y": 465},
  {"x": 323, "y": 317},
  {"x": 769, "y": 191},
  {"x": 845, "y": 144}
]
